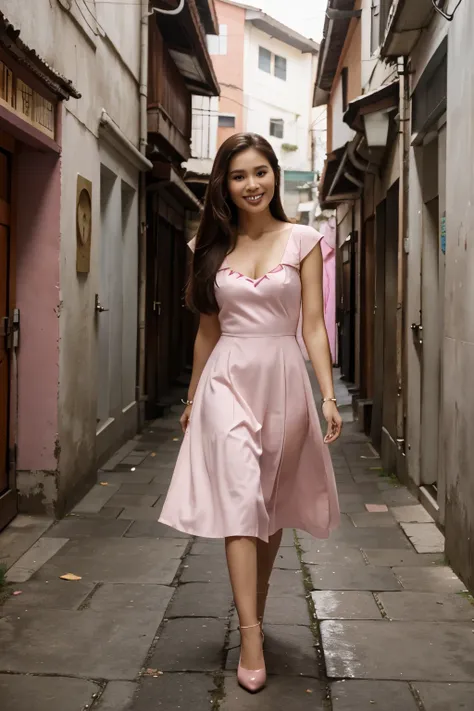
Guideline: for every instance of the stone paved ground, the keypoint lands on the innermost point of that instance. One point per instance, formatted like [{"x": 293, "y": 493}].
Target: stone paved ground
[{"x": 371, "y": 619}]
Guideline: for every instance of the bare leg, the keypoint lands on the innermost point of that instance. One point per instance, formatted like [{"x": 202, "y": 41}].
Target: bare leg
[
  {"x": 241, "y": 555},
  {"x": 266, "y": 555}
]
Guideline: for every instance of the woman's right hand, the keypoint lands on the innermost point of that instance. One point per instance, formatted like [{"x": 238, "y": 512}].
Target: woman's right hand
[{"x": 184, "y": 419}]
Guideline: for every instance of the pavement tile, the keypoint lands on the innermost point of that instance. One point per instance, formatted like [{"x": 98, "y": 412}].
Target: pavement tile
[
  {"x": 427, "y": 606},
  {"x": 319, "y": 552},
  {"x": 397, "y": 558},
  {"x": 382, "y": 538},
  {"x": 208, "y": 548},
  {"x": 117, "y": 597},
  {"x": 54, "y": 594},
  {"x": 84, "y": 644},
  {"x": 335, "y": 605},
  {"x": 289, "y": 651},
  {"x": 425, "y": 537},
  {"x": 174, "y": 692},
  {"x": 117, "y": 560},
  {"x": 375, "y": 519},
  {"x": 118, "y": 696},
  {"x": 39, "y": 553},
  {"x": 398, "y": 497},
  {"x": 205, "y": 569},
  {"x": 187, "y": 644},
  {"x": 287, "y": 559},
  {"x": 117, "y": 478},
  {"x": 412, "y": 651},
  {"x": 365, "y": 477},
  {"x": 411, "y": 514},
  {"x": 280, "y": 694},
  {"x": 353, "y": 577},
  {"x": 97, "y": 497},
  {"x": 446, "y": 697},
  {"x": 44, "y": 693},
  {"x": 201, "y": 600},
  {"x": 153, "y": 529},
  {"x": 141, "y": 513},
  {"x": 285, "y": 583},
  {"x": 351, "y": 503},
  {"x": 156, "y": 488},
  {"x": 376, "y": 508},
  {"x": 288, "y": 537},
  {"x": 125, "y": 500},
  {"x": 20, "y": 535},
  {"x": 85, "y": 527},
  {"x": 122, "y": 452},
  {"x": 439, "y": 578},
  {"x": 377, "y": 695}
]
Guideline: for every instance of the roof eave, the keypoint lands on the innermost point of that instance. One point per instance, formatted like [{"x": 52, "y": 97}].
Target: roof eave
[{"x": 405, "y": 25}]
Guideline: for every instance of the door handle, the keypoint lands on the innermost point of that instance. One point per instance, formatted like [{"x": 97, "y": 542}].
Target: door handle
[
  {"x": 98, "y": 306},
  {"x": 157, "y": 307}
]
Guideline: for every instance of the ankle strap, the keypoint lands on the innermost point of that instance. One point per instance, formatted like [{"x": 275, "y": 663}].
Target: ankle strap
[{"x": 249, "y": 627}]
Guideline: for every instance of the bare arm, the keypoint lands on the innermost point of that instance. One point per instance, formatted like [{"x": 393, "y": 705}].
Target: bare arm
[
  {"x": 316, "y": 338},
  {"x": 207, "y": 336}
]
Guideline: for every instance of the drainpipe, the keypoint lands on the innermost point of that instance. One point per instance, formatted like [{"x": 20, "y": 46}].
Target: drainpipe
[
  {"x": 141, "y": 385},
  {"x": 402, "y": 226}
]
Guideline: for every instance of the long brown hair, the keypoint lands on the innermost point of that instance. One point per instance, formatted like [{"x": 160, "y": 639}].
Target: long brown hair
[{"x": 217, "y": 232}]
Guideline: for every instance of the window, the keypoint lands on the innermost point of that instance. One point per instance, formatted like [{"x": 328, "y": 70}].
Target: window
[
  {"x": 272, "y": 63},
  {"x": 345, "y": 87},
  {"x": 276, "y": 128},
  {"x": 264, "y": 60},
  {"x": 217, "y": 44},
  {"x": 226, "y": 121},
  {"x": 380, "y": 11},
  {"x": 280, "y": 67}
]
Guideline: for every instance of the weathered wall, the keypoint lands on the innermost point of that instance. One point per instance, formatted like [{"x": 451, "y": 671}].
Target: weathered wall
[
  {"x": 459, "y": 298},
  {"x": 100, "y": 54}
]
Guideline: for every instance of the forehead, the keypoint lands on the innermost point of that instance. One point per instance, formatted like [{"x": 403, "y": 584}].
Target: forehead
[{"x": 248, "y": 160}]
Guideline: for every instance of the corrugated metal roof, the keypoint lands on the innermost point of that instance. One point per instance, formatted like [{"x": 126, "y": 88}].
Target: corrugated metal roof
[{"x": 26, "y": 56}]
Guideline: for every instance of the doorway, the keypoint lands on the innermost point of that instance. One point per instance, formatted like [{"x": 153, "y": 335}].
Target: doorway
[{"x": 8, "y": 493}]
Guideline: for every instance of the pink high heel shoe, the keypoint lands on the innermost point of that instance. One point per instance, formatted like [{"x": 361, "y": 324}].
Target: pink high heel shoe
[{"x": 251, "y": 680}]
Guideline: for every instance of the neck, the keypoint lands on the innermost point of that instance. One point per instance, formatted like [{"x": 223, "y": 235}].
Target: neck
[{"x": 255, "y": 225}]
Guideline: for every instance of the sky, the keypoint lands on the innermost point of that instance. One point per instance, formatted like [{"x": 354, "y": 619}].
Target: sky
[{"x": 304, "y": 16}]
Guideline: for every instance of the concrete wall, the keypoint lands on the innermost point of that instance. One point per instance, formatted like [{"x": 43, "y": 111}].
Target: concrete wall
[
  {"x": 100, "y": 54},
  {"x": 459, "y": 298}
]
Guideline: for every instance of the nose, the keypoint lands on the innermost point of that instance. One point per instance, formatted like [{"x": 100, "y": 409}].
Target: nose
[{"x": 252, "y": 184}]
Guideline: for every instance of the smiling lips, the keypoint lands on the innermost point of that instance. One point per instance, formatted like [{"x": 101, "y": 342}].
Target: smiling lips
[{"x": 254, "y": 198}]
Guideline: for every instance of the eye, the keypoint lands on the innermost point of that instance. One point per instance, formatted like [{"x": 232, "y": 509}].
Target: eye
[
  {"x": 238, "y": 177},
  {"x": 261, "y": 173}
]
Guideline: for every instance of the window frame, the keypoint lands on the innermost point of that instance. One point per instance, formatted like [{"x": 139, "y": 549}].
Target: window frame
[
  {"x": 345, "y": 88},
  {"x": 217, "y": 44},
  {"x": 262, "y": 50},
  {"x": 277, "y": 122},
  {"x": 226, "y": 116},
  {"x": 283, "y": 59}
]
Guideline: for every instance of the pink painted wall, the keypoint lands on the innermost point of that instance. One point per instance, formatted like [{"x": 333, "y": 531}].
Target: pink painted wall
[
  {"x": 328, "y": 249},
  {"x": 38, "y": 236},
  {"x": 230, "y": 68}
]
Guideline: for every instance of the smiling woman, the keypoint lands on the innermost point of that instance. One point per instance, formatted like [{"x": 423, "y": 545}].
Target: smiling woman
[{"x": 253, "y": 460}]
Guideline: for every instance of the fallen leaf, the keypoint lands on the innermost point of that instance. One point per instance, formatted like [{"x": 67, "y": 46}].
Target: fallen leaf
[
  {"x": 309, "y": 691},
  {"x": 70, "y": 576},
  {"x": 175, "y": 439},
  {"x": 153, "y": 454},
  {"x": 18, "y": 592},
  {"x": 104, "y": 483}
]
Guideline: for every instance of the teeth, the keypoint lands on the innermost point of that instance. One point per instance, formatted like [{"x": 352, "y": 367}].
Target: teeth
[{"x": 254, "y": 198}]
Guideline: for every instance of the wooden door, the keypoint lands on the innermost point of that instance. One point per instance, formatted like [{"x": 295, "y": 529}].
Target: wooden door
[
  {"x": 379, "y": 318},
  {"x": 8, "y": 494}
]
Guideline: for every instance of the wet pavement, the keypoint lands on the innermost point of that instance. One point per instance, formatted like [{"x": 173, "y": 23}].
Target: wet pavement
[{"x": 370, "y": 619}]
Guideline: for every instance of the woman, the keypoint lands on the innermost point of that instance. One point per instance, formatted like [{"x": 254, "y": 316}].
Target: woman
[{"x": 253, "y": 459}]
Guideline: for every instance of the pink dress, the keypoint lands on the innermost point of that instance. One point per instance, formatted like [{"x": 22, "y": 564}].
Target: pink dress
[{"x": 253, "y": 458}]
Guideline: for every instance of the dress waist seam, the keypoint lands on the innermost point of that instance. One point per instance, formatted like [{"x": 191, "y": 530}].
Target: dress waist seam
[{"x": 258, "y": 335}]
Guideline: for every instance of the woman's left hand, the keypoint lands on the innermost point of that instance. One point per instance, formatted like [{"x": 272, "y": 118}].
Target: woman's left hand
[{"x": 334, "y": 420}]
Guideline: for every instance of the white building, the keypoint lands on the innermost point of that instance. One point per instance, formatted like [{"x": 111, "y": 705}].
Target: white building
[{"x": 266, "y": 71}]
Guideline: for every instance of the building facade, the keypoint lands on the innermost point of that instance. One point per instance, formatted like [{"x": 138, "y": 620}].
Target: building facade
[
  {"x": 71, "y": 169},
  {"x": 398, "y": 172},
  {"x": 266, "y": 72}
]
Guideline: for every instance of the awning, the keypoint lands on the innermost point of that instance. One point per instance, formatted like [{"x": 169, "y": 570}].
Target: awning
[
  {"x": 341, "y": 181},
  {"x": 384, "y": 98},
  {"x": 406, "y": 22},
  {"x": 28, "y": 58},
  {"x": 165, "y": 177}
]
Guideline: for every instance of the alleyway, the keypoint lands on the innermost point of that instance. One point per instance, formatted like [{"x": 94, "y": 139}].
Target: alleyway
[{"x": 150, "y": 624}]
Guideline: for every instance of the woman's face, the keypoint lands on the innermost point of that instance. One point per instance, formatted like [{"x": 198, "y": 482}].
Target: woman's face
[{"x": 251, "y": 181}]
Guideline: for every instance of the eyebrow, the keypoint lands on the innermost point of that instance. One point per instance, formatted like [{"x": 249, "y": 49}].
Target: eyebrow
[{"x": 241, "y": 170}]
